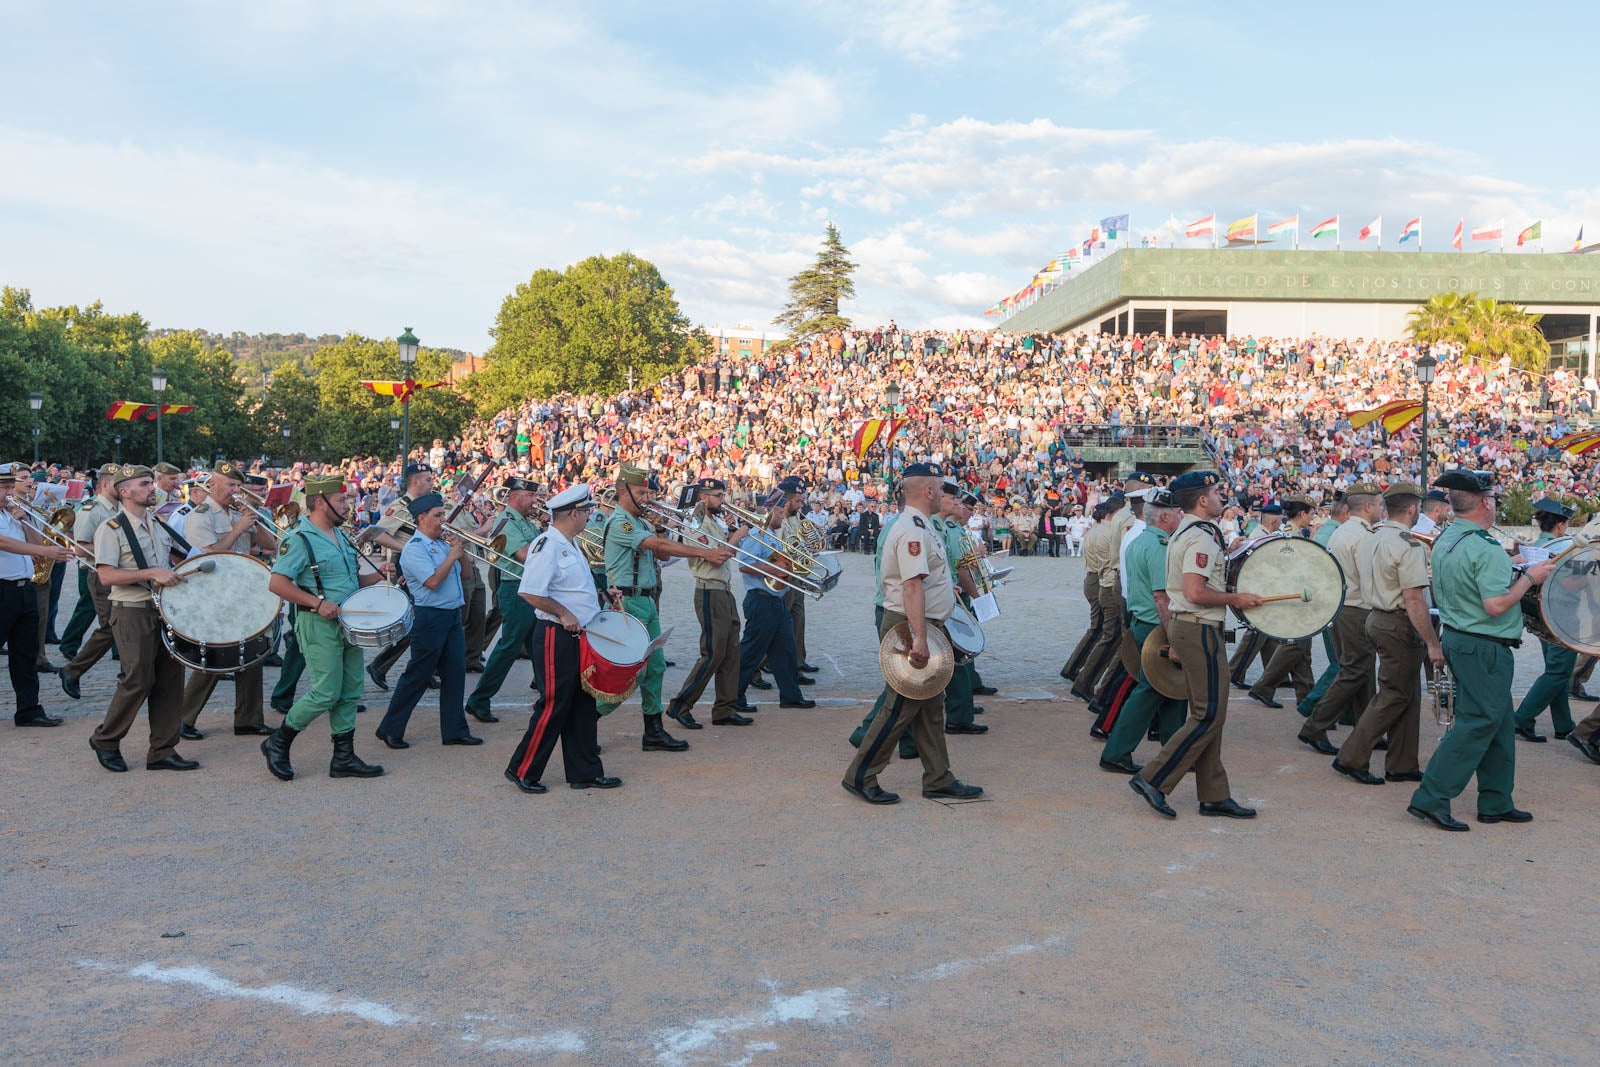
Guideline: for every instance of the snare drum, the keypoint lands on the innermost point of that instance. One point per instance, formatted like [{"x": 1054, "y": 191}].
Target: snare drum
[
  {"x": 1276, "y": 565},
  {"x": 220, "y": 620},
  {"x": 377, "y": 616},
  {"x": 612, "y": 651},
  {"x": 966, "y": 636}
]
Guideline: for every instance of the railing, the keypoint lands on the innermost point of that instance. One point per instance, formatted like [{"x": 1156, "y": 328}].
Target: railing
[{"x": 1132, "y": 435}]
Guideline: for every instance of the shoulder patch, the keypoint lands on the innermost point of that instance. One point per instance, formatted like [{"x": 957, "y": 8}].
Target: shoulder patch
[
  {"x": 916, "y": 520},
  {"x": 914, "y": 547},
  {"x": 538, "y": 546},
  {"x": 627, "y": 527}
]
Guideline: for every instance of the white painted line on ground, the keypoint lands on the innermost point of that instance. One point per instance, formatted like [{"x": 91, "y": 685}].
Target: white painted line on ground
[
  {"x": 1020, "y": 695},
  {"x": 835, "y": 663},
  {"x": 837, "y": 702},
  {"x": 821, "y": 1007}
]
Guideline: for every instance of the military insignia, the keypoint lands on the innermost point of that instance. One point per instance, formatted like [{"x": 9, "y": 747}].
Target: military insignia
[
  {"x": 538, "y": 546},
  {"x": 914, "y": 547},
  {"x": 627, "y": 527},
  {"x": 1201, "y": 559},
  {"x": 916, "y": 520}
]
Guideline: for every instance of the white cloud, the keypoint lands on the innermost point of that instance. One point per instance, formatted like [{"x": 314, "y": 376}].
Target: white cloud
[
  {"x": 601, "y": 207},
  {"x": 1097, "y": 34},
  {"x": 910, "y": 29}
]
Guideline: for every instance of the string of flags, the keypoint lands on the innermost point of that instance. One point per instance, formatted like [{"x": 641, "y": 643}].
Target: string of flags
[{"x": 129, "y": 410}]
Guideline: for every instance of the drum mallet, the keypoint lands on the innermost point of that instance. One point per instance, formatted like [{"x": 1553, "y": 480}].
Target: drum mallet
[{"x": 1304, "y": 596}]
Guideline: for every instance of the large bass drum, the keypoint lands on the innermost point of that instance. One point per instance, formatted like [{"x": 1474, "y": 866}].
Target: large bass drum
[
  {"x": 1278, "y": 566},
  {"x": 221, "y": 618},
  {"x": 1569, "y": 601}
]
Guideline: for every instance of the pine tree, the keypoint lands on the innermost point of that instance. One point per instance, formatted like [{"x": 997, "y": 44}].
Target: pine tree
[{"x": 816, "y": 292}]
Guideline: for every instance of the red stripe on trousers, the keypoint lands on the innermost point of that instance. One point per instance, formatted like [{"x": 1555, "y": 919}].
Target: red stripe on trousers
[{"x": 549, "y": 700}]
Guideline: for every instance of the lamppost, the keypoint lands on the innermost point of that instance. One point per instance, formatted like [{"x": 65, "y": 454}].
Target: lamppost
[
  {"x": 36, "y": 401},
  {"x": 1427, "y": 366},
  {"x": 286, "y": 456},
  {"x": 394, "y": 425},
  {"x": 116, "y": 441},
  {"x": 408, "y": 360},
  {"x": 892, "y": 395},
  {"x": 158, "y": 382}
]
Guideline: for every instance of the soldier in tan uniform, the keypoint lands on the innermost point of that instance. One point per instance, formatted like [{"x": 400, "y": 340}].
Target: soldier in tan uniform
[
  {"x": 1394, "y": 573},
  {"x": 1290, "y": 659},
  {"x": 1092, "y": 550},
  {"x": 1352, "y": 690},
  {"x": 794, "y": 504},
  {"x": 93, "y": 599},
  {"x": 133, "y": 555},
  {"x": 1198, "y": 600},
  {"x": 718, "y": 612},
  {"x": 224, "y": 524},
  {"x": 1104, "y": 563},
  {"x": 168, "y": 481}
]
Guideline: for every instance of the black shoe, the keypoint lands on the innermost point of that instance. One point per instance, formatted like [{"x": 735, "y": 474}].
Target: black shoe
[
  {"x": 760, "y": 683},
  {"x": 377, "y": 678},
  {"x": 1125, "y": 765},
  {"x": 1562, "y": 735},
  {"x": 909, "y": 754},
  {"x": 1590, "y": 750},
  {"x": 1085, "y": 697},
  {"x": 1528, "y": 733},
  {"x": 956, "y": 790},
  {"x": 189, "y": 733},
  {"x": 1098, "y": 734},
  {"x": 656, "y": 739},
  {"x": 525, "y": 785},
  {"x": 434, "y": 683},
  {"x": 360, "y": 708},
  {"x": 977, "y": 709},
  {"x": 806, "y": 679},
  {"x": 1320, "y": 746},
  {"x": 345, "y": 763},
  {"x": 1242, "y": 686},
  {"x": 1381, "y": 745},
  {"x": 69, "y": 686},
  {"x": 731, "y": 720},
  {"x": 110, "y": 758},
  {"x": 1268, "y": 701},
  {"x": 276, "y": 751},
  {"x": 746, "y": 707},
  {"x": 36, "y": 717},
  {"x": 392, "y": 742},
  {"x": 1227, "y": 809},
  {"x": 260, "y": 729},
  {"x": 797, "y": 703},
  {"x": 808, "y": 668},
  {"x": 1403, "y": 776},
  {"x": 1443, "y": 822},
  {"x": 173, "y": 762},
  {"x": 487, "y": 716},
  {"x": 474, "y": 668},
  {"x": 465, "y": 739},
  {"x": 984, "y": 690},
  {"x": 1357, "y": 774},
  {"x": 1152, "y": 796},
  {"x": 965, "y": 728},
  {"x": 685, "y": 719},
  {"x": 669, "y": 663},
  {"x": 602, "y": 782},
  {"x": 1514, "y": 815},
  {"x": 48, "y": 668},
  {"x": 872, "y": 794},
  {"x": 1578, "y": 693}
]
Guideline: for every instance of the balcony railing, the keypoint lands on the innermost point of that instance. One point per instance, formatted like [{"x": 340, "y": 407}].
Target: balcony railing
[{"x": 1132, "y": 435}]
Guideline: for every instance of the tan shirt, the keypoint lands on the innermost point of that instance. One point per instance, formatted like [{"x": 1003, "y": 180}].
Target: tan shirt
[
  {"x": 1346, "y": 544},
  {"x": 1193, "y": 549},
  {"x": 396, "y": 515},
  {"x": 913, "y": 549},
  {"x": 1390, "y": 561},
  {"x": 210, "y": 523},
  {"x": 1120, "y": 523},
  {"x": 702, "y": 569},
  {"x": 111, "y": 550},
  {"x": 1097, "y": 548},
  {"x": 91, "y": 517}
]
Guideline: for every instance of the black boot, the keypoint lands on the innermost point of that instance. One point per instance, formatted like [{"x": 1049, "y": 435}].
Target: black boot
[
  {"x": 276, "y": 749},
  {"x": 657, "y": 739},
  {"x": 345, "y": 762}
]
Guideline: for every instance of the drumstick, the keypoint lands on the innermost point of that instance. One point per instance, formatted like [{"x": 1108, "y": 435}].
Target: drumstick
[
  {"x": 1304, "y": 596},
  {"x": 605, "y": 637}
]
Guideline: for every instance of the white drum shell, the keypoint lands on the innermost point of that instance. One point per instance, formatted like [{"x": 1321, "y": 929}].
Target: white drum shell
[
  {"x": 381, "y": 630},
  {"x": 966, "y": 636}
]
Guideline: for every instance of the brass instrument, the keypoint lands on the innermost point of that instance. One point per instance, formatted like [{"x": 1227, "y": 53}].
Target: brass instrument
[
  {"x": 1443, "y": 688},
  {"x": 804, "y": 559},
  {"x": 679, "y": 522},
  {"x": 55, "y": 528},
  {"x": 488, "y": 550},
  {"x": 277, "y": 520}
]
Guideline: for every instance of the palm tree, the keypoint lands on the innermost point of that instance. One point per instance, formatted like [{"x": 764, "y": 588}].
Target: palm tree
[
  {"x": 1437, "y": 319},
  {"x": 1484, "y": 328}
]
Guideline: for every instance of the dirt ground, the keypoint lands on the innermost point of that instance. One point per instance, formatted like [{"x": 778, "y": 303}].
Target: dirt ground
[{"x": 733, "y": 905}]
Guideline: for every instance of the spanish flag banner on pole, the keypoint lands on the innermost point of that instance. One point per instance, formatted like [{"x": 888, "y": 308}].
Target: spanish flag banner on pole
[
  {"x": 128, "y": 410},
  {"x": 1577, "y": 443},
  {"x": 1394, "y": 415},
  {"x": 401, "y": 391},
  {"x": 874, "y": 431}
]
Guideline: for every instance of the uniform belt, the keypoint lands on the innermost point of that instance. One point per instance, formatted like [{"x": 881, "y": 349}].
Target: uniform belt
[
  {"x": 710, "y": 583},
  {"x": 1189, "y": 616},
  {"x": 636, "y": 590},
  {"x": 16, "y": 581},
  {"x": 1509, "y": 642},
  {"x": 1388, "y": 611}
]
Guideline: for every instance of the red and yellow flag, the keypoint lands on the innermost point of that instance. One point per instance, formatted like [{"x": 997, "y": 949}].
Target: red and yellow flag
[
  {"x": 1577, "y": 443},
  {"x": 401, "y": 391},
  {"x": 1394, "y": 415},
  {"x": 873, "y": 431},
  {"x": 128, "y": 410}
]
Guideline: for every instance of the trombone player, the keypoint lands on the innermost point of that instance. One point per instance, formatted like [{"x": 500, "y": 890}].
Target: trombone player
[
  {"x": 768, "y": 626},
  {"x": 718, "y": 613},
  {"x": 20, "y": 545},
  {"x": 792, "y": 532},
  {"x": 514, "y": 523}
]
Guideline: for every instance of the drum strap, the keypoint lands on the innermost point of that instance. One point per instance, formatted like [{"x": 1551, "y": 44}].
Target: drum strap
[
  {"x": 1214, "y": 530},
  {"x": 133, "y": 542},
  {"x": 316, "y": 571}
]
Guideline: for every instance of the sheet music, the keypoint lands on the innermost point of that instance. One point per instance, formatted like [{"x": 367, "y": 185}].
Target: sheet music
[
  {"x": 985, "y": 608},
  {"x": 1534, "y": 553}
]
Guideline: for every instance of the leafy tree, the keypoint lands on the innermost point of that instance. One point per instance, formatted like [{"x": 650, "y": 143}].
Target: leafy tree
[
  {"x": 353, "y": 420},
  {"x": 816, "y": 293},
  {"x": 290, "y": 400},
  {"x": 583, "y": 330},
  {"x": 1486, "y": 329}
]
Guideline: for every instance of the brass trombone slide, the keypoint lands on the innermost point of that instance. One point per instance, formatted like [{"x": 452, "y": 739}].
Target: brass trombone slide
[
  {"x": 808, "y": 564},
  {"x": 43, "y": 525},
  {"x": 274, "y": 521},
  {"x": 678, "y": 521}
]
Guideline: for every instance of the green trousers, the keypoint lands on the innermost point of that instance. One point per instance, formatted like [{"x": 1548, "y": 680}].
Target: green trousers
[
  {"x": 958, "y": 696},
  {"x": 1143, "y": 706},
  {"x": 1308, "y": 703},
  {"x": 1552, "y": 689},
  {"x": 294, "y": 665},
  {"x": 516, "y": 631},
  {"x": 335, "y": 668},
  {"x": 643, "y": 608},
  {"x": 1481, "y": 742}
]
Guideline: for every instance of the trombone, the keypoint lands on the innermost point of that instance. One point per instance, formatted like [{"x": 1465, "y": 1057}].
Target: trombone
[
  {"x": 490, "y": 551},
  {"x": 275, "y": 521},
  {"x": 807, "y": 564},
  {"x": 48, "y": 527},
  {"x": 678, "y": 521}
]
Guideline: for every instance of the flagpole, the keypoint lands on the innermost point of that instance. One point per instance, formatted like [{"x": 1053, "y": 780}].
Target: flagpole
[
  {"x": 1419, "y": 235},
  {"x": 1338, "y": 236},
  {"x": 1297, "y": 231},
  {"x": 1213, "y": 229}
]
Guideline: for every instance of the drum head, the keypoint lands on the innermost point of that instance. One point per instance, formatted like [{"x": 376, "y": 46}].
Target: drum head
[
  {"x": 1570, "y": 599},
  {"x": 380, "y": 605},
  {"x": 227, "y": 604},
  {"x": 965, "y": 633},
  {"x": 1277, "y": 566},
  {"x": 619, "y": 638}
]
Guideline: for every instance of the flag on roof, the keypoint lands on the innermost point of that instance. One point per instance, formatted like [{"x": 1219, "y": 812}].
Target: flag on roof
[
  {"x": 128, "y": 410},
  {"x": 1392, "y": 415},
  {"x": 1532, "y": 233},
  {"x": 1410, "y": 230},
  {"x": 1577, "y": 242},
  {"x": 996, "y": 309},
  {"x": 1488, "y": 232},
  {"x": 400, "y": 390},
  {"x": 1284, "y": 225},
  {"x": 1114, "y": 225},
  {"x": 1201, "y": 227},
  {"x": 1242, "y": 229},
  {"x": 1455, "y": 242},
  {"x": 1373, "y": 229},
  {"x": 1327, "y": 228}
]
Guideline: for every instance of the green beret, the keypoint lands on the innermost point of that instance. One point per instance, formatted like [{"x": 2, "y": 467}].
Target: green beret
[
  {"x": 129, "y": 471},
  {"x": 229, "y": 469},
  {"x": 1403, "y": 489},
  {"x": 108, "y": 470},
  {"x": 318, "y": 485},
  {"x": 165, "y": 468}
]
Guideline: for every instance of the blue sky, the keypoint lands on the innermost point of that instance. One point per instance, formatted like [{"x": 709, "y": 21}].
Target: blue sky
[{"x": 365, "y": 165}]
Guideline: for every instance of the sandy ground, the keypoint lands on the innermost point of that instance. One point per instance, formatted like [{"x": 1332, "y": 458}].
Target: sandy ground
[{"x": 732, "y": 905}]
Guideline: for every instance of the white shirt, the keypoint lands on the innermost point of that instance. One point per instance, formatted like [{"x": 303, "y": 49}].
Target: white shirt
[
  {"x": 1425, "y": 526},
  {"x": 13, "y": 565},
  {"x": 1122, "y": 552},
  {"x": 555, "y": 568}
]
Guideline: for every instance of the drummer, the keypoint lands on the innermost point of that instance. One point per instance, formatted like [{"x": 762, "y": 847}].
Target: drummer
[
  {"x": 1352, "y": 688},
  {"x": 557, "y": 584},
  {"x": 1552, "y": 689},
  {"x": 1290, "y": 659},
  {"x": 318, "y": 570},
  {"x": 224, "y": 524},
  {"x": 1253, "y": 643}
]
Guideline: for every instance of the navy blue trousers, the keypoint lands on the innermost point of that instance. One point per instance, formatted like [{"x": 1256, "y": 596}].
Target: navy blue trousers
[
  {"x": 438, "y": 643},
  {"x": 768, "y": 635}
]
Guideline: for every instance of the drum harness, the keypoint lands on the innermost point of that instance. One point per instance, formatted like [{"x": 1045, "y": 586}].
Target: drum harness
[
  {"x": 605, "y": 541},
  {"x": 311, "y": 557}
]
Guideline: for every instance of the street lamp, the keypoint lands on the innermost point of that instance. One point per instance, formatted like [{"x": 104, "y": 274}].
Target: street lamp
[
  {"x": 1427, "y": 367},
  {"x": 394, "y": 427},
  {"x": 408, "y": 359},
  {"x": 892, "y": 395},
  {"x": 36, "y": 401},
  {"x": 286, "y": 446},
  {"x": 158, "y": 382},
  {"x": 116, "y": 440}
]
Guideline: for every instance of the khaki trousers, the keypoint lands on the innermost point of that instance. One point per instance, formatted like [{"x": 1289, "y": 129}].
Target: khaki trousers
[
  {"x": 1080, "y": 654},
  {"x": 1396, "y": 708},
  {"x": 1291, "y": 659},
  {"x": 796, "y": 603},
  {"x": 923, "y": 719},
  {"x": 719, "y": 654},
  {"x": 1352, "y": 690},
  {"x": 474, "y": 612},
  {"x": 1197, "y": 746},
  {"x": 149, "y": 674},
  {"x": 247, "y": 686}
]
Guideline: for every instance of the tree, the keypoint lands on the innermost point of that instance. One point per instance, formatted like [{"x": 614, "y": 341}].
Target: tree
[
  {"x": 291, "y": 401},
  {"x": 816, "y": 293},
  {"x": 1484, "y": 328},
  {"x": 583, "y": 330},
  {"x": 352, "y": 420}
]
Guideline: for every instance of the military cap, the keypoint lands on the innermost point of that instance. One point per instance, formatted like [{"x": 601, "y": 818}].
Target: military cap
[
  {"x": 969, "y": 498},
  {"x": 229, "y": 469},
  {"x": 711, "y": 485},
  {"x": 628, "y": 474},
  {"x": 166, "y": 468},
  {"x": 108, "y": 470},
  {"x": 414, "y": 469},
  {"x": 1363, "y": 489},
  {"x": 1194, "y": 480},
  {"x": 1466, "y": 481},
  {"x": 1137, "y": 486},
  {"x": 1436, "y": 494},
  {"x": 424, "y": 504},
  {"x": 793, "y": 484},
  {"x": 1272, "y": 509},
  {"x": 1402, "y": 489},
  {"x": 323, "y": 484},
  {"x": 511, "y": 481},
  {"x": 1160, "y": 498},
  {"x": 8, "y": 474},
  {"x": 577, "y": 496},
  {"x": 1554, "y": 507},
  {"x": 923, "y": 470},
  {"x": 129, "y": 471},
  {"x": 951, "y": 486},
  {"x": 1299, "y": 498}
]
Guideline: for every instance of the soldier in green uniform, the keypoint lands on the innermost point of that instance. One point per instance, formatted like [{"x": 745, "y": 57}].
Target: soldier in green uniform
[
  {"x": 1553, "y": 688},
  {"x": 515, "y": 523},
  {"x": 316, "y": 571},
  {"x": 959, "y": 711},
  {"x": 1338, "y": 513},
  {"x": 1149, "y": 607},
  {"x": 632, "y": 547},
  {"x": 1394, "y": 573},
  {"x": 1480, "y": 602}
]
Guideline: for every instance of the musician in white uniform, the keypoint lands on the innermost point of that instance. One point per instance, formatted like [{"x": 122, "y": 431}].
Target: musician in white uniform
[
  {"x": 557, "y": 582},
  {"x": 19, "y": 606}
]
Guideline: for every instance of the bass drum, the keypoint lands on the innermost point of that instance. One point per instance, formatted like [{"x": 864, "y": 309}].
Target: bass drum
[
  {"x": 1569, "y": 601},
  {"x": 221, "y": 619},
  {"x": 1275, "y": 566}
]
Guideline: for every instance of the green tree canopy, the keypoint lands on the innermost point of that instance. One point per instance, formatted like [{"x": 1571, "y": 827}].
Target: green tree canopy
[
  {"x": 582, "y": 330},
  {"x": 352, "y": 420},
  {"x": 816, "y": 293},
  {"x": 1485, "y": 329}
]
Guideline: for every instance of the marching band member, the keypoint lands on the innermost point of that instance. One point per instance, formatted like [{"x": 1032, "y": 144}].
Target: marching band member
[
  {"x": 168, "y": 482},
  {"x": 19, "y": 606},
  {"x": 133, "y": 554},
  {"x": 1553, "y": 688},
  {"x": 219, "y": 526},
  {"x": 557, "y": 584},
  {"x": 1198, "y": 597},
  {"x": 1092, "y": 551},
  {"x": 718, "y": 613},
  {"x": 917, "y": 591},
  {"x": 94, "y": 601},
  {"x": 794, "y": 505},
  {"x": 1435, "y": 513},
  {"x": 768, "y": 625},
  {"x": 1290, "y": 659},
  {"x": 1115, "y": 683},
  {"x": 416, "y": 480},
  {"x": 908, "y": 747},
  {"x": 1480, "y": 603},
  {"x": 1104, "y": 539},
  {"x": 515, "y": 523},
  {"x": 316, "y": 571},
  {"x": 23, "y": 490},
  {"x": 1338, "y": 515},
  {"x": 1252, "y": 643},
  {"x": 1352, "y": 688}
]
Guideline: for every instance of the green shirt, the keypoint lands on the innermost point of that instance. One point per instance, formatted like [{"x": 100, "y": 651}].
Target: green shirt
[
  {"x": 951, "y": 531},
  {"x": 337, "y": 563},
  {"x": 626, "y": 565},
  {"x": 1470, "y": 567},
  {"x": 1147, "y": 572},
  {"x": 518, "y": 531},
  {"x": 877, "y": 558},
  {"x": 1325, "y": 531}
]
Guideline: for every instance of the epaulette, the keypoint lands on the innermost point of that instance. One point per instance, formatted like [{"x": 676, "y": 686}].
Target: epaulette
[
  {"x": 203, "y": 508},
  {"x": 539, "y": 542},
  {"x": 916, "y": 520},
  {"x": 116, "y": 521},
  {"x": 1213, "y": 529},
  {"x": 1408, "y": 537}
]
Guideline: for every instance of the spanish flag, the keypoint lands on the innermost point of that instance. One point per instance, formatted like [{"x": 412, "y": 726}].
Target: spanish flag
[
  {"x": 1394, "y": 415},
  {"x": 871, "y": 432},
  {"x": 128, "y": 410},
  {"x": 1576, "y": 443},
  {"x": 401, "y": 391}
]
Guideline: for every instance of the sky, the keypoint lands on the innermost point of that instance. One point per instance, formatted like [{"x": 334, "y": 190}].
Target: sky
[{"x": 358, "y": 165}]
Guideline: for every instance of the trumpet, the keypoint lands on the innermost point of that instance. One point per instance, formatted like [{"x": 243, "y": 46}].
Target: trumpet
[
  {"x": 678, "y": 521},
  {"x": 1443, "y": 688},
  {"x": 274, "y": 521},
  {"x": 53, "y": 528}
]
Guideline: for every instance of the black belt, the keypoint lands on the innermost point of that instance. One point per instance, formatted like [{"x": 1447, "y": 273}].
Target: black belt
[
  {"x": 635, "y": 590},
  {"x": 18, "y": 582},
  {"x": 1509, "y": 642}
]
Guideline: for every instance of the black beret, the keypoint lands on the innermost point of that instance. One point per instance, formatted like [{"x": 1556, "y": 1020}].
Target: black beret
[
  {"x": 711, "y": 485},
  {"x": 1193, "y": 480},
  {"x": 923, "y": 470},
  {"x": 1554, "y": 507},
  {"x": 1466, "y": 481}
]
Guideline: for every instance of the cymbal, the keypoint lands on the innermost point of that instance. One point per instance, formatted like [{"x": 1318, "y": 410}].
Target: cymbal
[
  {"x": 1128, "y": 650},
  {"x": 910, "y": 682},
  {"x": 1164, "y": 676}
]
